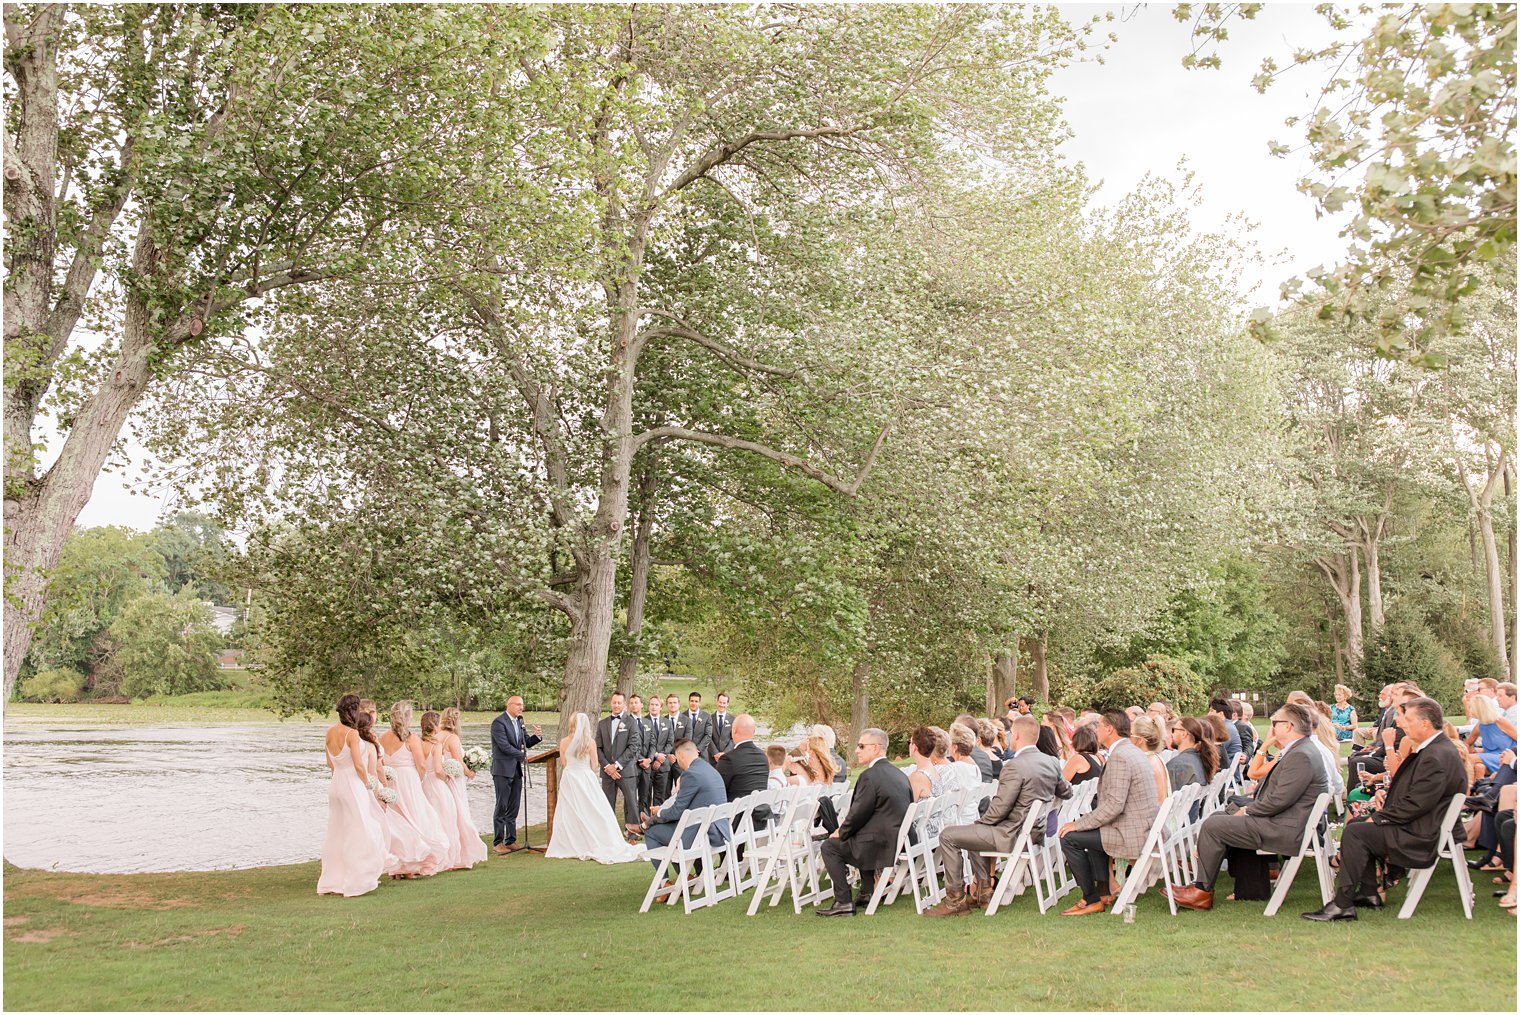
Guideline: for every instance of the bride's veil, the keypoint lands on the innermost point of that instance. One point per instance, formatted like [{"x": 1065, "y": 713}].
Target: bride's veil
[{"x": 581, "y": 743}]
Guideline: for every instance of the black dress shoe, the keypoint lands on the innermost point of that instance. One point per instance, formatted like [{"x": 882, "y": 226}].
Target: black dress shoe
[
  {"x": 837, "y": 909},
  {"x": 1330, "y": 911},
  {"x": 1367, "y": 902}
]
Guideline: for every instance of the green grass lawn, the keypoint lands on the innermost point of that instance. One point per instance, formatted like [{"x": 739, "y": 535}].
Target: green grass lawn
[{"x": 527, "y": 933}]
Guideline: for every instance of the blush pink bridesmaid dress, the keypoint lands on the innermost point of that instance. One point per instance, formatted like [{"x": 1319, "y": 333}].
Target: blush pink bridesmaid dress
[
  {"x": 472, "y": 849},
  {"x": 435, "y": 786},
  {"x": 353, "y": 851},
  {"x": 407, "y": 849},
  {"x": 414, "y": 806}
]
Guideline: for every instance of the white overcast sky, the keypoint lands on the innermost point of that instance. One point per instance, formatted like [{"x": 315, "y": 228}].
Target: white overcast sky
[{"x": 1137, "y": 112}]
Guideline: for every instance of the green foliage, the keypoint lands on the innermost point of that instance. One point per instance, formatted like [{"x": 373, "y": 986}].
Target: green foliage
[
  {"x": 1406, "y": 649},
  {"x": 53, "y": 685},
  {"x": 194, "y": 550},
  {"x": 1156, "y": 678},
  {"x": 99, "y": 572},
  {"x": 1414, "y": 134},
  {"x": 167, "y": 645}
]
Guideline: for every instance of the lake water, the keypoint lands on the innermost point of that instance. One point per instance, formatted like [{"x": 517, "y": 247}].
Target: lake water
[
  {"x": 81, "y": 796},
  {"x": 93, "y": 797}
]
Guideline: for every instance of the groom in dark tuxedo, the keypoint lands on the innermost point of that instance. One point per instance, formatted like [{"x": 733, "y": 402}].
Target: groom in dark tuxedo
[
  {"x": 510, "y": 741},
  {"x": 619, "y": 745}
]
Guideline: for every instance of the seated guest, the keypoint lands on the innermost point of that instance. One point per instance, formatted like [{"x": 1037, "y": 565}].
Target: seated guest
[
  {"x": 986, "y": 734},
  {"x": 1195, "y": 761},
  {"x": 1489, "y": 728},
  {"x": 867, "y": 837},
  {"x": 1058, "y": 742},
  {"x": 1386, "y": 736},
  {"x": 1218, "y": 730},
  {"x": 1243, "y": 727},
  {"x": 963, "y": 773},
  {"x": 1343, "y": 714},
  {"x": 1117, "y": 825},
  {"x": 982, "y": 758},
  {"x": 1084, "y": 762},
  {"x": 743, "y": 767},
  {"x": 1030, "y": 778},
  {"x": 701, "y": 786},
  {"x": 1405, "y": 827},
  {"x": 1273, "y": 820},
  {"x": 1134, "y": 712},
  {"x": 1221, "y": 708},
  {"x": 1323, "y": 736},
  {"x": 775, "y": 760},
  {"x": 824, "y": 733},
  {"x": 1145, "y": 733}
]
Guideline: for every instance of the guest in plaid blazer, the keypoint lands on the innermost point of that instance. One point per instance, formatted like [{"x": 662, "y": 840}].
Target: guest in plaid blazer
[{"x": 1117, "y": 825}]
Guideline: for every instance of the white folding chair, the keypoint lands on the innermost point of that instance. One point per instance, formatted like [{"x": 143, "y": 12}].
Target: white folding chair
[
  {"x": 786, "y": 858},
  {"x": 1142, "y": 871},
  {"x": 891, "y": 879},
  {"x": 1309, "y": 845},
  {"x": 1058, "y": 879},
  {"x": 1446, "y": 849},
  {"x": 670, "y": 857},
  {"x": 1020, "y": 863},
  {"x": 742, "y": 870}
]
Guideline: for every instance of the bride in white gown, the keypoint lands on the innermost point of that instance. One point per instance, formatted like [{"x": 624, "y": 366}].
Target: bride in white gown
[{"x": 584, "y": 825}]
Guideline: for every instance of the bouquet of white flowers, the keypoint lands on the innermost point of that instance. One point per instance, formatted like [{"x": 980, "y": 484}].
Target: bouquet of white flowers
[
  {"x": 387, "y": 795},
  {"x": 453, "y": 769},
  {"x": 390, "y": 774},
  {"x": 371, "y": 780},
  {"x": 478, "y": 758}
]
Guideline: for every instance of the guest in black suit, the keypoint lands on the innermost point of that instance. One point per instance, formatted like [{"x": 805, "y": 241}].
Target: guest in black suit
[
  {"x": 510, "y": 741},
  {"x": 743, "y": 766},
  {"x": 722, "y": 729},
  {"x": 1405, "y": 829},
  {"x": 618, "y": 745},
  {"x": 867, "y": 837}
]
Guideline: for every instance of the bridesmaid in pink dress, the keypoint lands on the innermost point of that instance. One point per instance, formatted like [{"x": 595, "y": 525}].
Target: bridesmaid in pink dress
[
  {"x": 473, "y": 847},
  {"x": 435, "y": 786},
  {"x": 408, "y": 758},
  {"x": 408, "y": 851},
  {"x": 353, "y": 851}
]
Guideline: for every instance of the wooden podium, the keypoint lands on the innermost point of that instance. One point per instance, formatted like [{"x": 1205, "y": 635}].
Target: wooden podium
[{"x": 550, "y": 759}]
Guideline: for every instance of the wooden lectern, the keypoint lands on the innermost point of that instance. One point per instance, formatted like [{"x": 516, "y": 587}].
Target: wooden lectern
[{"x": 550, "y": 759}]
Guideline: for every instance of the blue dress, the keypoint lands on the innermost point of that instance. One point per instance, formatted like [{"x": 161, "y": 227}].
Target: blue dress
[
  {"x": 1341, "y": 715},
  {"x": 1495, "y": 742}
]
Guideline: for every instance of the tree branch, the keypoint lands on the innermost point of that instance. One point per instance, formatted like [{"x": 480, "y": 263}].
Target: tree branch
[
  {"x": 681, "y": 329},
  {"x": 848, "y": 488},
  {"x": 715, "y": 157}
]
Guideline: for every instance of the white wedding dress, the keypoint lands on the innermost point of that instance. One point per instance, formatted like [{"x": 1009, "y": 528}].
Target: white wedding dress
[{"x": 585, "y": 827}]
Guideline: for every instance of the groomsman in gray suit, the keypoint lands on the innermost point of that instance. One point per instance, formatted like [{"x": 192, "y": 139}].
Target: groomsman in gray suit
[
  {"x": 662, "y": 759},
  {"x": 695, "y": 725},
  {"x": 619, "y": 743},
  {"x": 648, "y": 735},
  {"x": 722, "y": 730}
]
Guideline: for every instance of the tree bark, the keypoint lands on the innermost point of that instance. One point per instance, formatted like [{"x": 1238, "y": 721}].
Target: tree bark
[
  {"x": 638, "y": 582},
  {"x": 860, "y": 706},
  {"x": 1343, "y": 570},
  {"x": 1039, "y": 659},
  {"x": 1514, "y": 579},
  {"x": 1002, "y": 679},
  {"x": 1482, "y": 502}
]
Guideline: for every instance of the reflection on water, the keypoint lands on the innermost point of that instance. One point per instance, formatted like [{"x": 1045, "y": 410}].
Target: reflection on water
[{"x": 114, "y": 800}]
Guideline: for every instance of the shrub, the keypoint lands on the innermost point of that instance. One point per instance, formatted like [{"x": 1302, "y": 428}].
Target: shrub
[
  {"x": 56, "y": 685},
  {"x": 1157, "y": 677},
  {"x": 1406, "y": 649}
]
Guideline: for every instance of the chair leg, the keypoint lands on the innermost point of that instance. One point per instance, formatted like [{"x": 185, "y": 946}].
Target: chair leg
[
  {"x": 654, "y": 885},
  {"x": 1284, "y": 882},
  {"x": 1464, "y": 881},
  {"x": 1417, "y": 882},
  {"x": 1002, "y": 887},
  {"x": 1326, "y": 875}
]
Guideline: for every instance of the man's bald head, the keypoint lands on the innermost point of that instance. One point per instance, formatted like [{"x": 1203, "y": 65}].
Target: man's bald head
[{"x": 744, "y": 727}]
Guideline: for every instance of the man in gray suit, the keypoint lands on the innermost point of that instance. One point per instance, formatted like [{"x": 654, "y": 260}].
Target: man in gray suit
[
  {"x": 1275, "y": 817},
  {"x": 1029, "y": 779},
  {"x": 662, "y": 758},
  {"x": 701, "y": 786},
  {"x": 619, "y": 745},
  {"x": 1118, "y": 824},
  {"x": 695, "y": 725}
]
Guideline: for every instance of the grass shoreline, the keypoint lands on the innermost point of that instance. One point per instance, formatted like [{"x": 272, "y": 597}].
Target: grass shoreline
[{"x": 526, "y": 933}]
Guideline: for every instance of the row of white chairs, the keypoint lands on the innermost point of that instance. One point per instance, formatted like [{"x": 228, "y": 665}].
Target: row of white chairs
[{"x": 780, "y": 855}]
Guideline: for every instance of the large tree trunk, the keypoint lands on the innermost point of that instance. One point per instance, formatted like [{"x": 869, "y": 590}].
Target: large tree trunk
[
  {"x": 1002, "y": 680},
  {"x": 1514, "y": 580},
  {"x": 44, "y": 510},
  {"x": 860, "y": 707},
  {"x": 1039, "y": 651},
  {"x": 638, "y": 583},
  {"x": 1374, "y": 585},
  {"x": 1344, "y": 573},
  {"x": 1482, "y": 502}
]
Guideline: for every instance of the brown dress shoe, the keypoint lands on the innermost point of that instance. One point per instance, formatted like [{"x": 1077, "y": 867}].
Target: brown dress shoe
[
  {"x": 1085, "y": 908},
  {"x": 1192, "y": 897},
  {"x": 502, "y": 849},
  {"x": 981, "y": 899}
]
